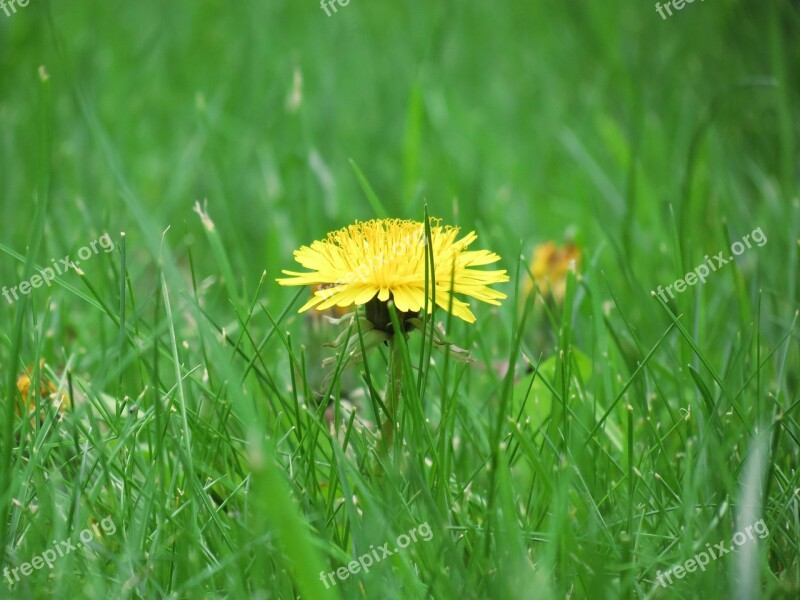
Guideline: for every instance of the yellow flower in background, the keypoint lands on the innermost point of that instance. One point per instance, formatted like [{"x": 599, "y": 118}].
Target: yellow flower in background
[
  {"x": 385, "y": 258},
  {"x": 47, "y": 391},
  {"x": 549, "y": 268}
]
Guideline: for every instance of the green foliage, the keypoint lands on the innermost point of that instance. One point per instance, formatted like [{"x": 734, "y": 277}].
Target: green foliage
[{"x": 593, "y": 442}]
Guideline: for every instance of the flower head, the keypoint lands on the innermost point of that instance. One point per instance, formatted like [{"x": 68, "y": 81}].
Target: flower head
[
  {"x": 385, "y": 258},
  {"x": 47, "y": 390},
  {"x": 550, "y": 267}
]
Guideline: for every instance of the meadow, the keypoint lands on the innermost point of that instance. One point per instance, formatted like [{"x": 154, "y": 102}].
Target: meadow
[{"x": 620, "y": 420}]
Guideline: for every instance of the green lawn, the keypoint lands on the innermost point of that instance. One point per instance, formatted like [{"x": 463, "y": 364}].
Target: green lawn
[{"x": 607, "y": 444}]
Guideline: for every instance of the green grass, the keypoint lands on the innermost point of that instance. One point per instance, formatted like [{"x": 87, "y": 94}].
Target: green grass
[{"x": 220, "y": 136}]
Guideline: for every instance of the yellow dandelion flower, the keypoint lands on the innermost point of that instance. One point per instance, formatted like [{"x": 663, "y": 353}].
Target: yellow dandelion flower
[
  {"x": 550, "y": 267},
  {"x": 47, "y": 390},
  {"x": 385, "y": 258},
  {"x": 333, "y": 312}
]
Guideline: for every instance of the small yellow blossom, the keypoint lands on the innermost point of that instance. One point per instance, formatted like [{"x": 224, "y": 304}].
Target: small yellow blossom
[
  {"x": 47, "y": 391},
  {"x": 550, "y": 267}
]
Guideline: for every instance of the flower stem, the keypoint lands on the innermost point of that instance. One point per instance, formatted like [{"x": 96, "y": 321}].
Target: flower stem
[{"x": 393, "y": 387}]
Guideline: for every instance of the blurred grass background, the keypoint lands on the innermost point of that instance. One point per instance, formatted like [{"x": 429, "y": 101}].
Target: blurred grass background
[{"x": 650, "y": 142}]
